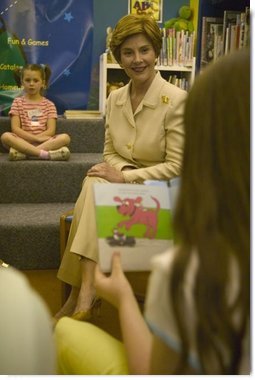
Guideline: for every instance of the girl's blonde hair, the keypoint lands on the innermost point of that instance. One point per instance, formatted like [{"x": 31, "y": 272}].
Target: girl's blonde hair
[{"x": 129, "y": 25}]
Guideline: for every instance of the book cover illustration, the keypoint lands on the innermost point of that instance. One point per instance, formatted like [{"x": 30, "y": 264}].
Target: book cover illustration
[{"x": 134, "y": 220}]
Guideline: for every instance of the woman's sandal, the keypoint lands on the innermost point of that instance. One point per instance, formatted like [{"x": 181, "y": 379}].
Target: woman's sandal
[{"x": 86, "y": 315}]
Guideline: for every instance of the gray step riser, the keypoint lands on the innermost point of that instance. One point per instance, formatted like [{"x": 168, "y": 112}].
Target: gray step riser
[
  {"x": 38, "y": 182},
  {"x": 33, "y": 248},
  {"x": 29, "y": 234}
]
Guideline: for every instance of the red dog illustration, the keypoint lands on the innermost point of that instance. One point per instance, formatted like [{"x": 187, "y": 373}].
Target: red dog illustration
[{"x": 138, "y": 214}]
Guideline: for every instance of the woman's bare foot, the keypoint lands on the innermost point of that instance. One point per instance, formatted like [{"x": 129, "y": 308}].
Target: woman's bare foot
[
  {"x": 87, "y": 291},
  {"x": 85, "y": 299},
  {"x": 70, "y": 304}
]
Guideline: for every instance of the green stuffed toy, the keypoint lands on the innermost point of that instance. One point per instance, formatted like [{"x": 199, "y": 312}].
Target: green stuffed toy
[{"x": 183, "y": 22}]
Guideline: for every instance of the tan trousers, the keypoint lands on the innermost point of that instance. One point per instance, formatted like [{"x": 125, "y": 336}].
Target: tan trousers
[{"x": 82, "y": 240}]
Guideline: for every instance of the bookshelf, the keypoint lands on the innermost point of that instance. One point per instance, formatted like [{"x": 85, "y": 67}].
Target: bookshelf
[
  {"x": 113, "y": 73},
  {"x": 210, "y": 9}
]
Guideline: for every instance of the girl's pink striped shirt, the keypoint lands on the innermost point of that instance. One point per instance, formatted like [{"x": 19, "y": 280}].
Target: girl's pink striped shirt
[{"x": 33, "y": 115}]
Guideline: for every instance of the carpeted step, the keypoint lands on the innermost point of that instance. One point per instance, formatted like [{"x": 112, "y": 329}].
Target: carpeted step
[
  {"x": 36, "y": 181},
  {"x": 34, "y": 194},
  {"x": 29, "y": 234},
  {"x": 86, "y": 135}
]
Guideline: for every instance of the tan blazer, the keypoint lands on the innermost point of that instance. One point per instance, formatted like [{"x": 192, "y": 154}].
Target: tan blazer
[{"x": 151, "y": 139}]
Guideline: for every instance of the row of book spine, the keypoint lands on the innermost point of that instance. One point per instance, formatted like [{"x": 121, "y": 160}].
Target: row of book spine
[
  {"x": 223, "y": 35},
  {"x": 179, "y": 81},
  {"x": 177, "y": 48}
]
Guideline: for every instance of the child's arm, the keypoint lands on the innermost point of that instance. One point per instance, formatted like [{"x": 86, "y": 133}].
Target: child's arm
[
  {"x": 16, "y": 128},
  {"x": 136, "y": 335},
  {"x": 51, "y": 128}
]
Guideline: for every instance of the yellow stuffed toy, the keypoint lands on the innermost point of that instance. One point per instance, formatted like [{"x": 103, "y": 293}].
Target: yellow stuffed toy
[{"x": 183, "y": 22}]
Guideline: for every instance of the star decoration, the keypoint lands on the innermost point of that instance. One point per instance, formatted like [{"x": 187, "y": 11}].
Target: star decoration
[
  {"x": 67, "y": 72},
  {"x": 68, "y": 17}
]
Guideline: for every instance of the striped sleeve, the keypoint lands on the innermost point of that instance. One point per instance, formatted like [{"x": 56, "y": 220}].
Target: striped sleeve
[
  {"x": 14, "y": 108},
  {"x": 51, "y": 109}
]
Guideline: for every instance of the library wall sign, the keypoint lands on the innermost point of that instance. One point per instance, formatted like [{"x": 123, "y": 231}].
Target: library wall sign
[
  {"x": 153, "y": 8},
  {"x": 58, "y": 33}
]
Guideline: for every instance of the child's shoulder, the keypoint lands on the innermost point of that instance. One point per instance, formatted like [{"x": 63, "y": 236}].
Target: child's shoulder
[
  {"x": 46, "y": 100},
  {"x": 19, "y": 100},
  {"x": 48, "y": 105}
]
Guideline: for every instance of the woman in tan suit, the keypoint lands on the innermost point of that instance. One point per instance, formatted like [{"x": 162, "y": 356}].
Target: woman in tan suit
[{"x": 143, "y": 140}]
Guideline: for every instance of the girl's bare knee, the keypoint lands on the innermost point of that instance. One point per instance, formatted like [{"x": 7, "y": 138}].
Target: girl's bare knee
[
  {"x": 66, "y": 138},
  {"x": 5, "y": 138}
]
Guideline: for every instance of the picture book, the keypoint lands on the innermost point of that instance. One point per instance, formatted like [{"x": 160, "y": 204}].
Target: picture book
[
  {"x": 135, "y": 220},
  {"x": 82, "y": 114}
]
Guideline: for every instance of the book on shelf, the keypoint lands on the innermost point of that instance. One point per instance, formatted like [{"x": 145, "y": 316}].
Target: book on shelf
[
  {"x": 243, "y": 30},
  {"x": 83, "y": 114},
  {"x": 218, "y": 41},
  {"x": 246, "y": 21},
  {"x": 222, "y": 35},
  {"x": 217, "y": 32},
  {"x": 163, "y": 52},
  {"x": 235, "y": 29},
  {"x": 177, "y": 48},
  {"x": 233, "y": 38},
  {"x": 208, "y": 39},
  {"x": 170, "y": 36},
  {"x": 179, "y": 81},
  {"x": 135, "y": 220},
  {"x": 229, "y": 18}
]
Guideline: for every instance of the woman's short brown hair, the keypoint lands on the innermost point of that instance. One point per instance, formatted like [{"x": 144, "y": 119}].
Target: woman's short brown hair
[{"x": 129, "y": 25}]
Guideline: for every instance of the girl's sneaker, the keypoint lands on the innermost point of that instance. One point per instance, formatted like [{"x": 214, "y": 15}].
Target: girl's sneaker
[
  {"x": 14, "y": 155},
  {"x": 3, "y": 264},
  {"x": 61, "y": 154}
]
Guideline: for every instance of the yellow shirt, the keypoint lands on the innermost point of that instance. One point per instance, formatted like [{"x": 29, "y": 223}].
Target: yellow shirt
[{"x": 150, "y": 139}]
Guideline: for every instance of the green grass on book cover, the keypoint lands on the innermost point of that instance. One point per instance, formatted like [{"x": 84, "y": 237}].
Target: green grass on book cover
[{"x": 108, "y": 217}]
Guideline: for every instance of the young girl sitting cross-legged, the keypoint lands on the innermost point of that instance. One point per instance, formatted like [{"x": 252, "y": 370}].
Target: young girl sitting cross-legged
[{"x": 33, "y": 121}]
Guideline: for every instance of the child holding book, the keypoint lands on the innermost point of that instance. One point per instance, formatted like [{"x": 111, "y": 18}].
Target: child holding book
[{"x": 33, "y": 121}]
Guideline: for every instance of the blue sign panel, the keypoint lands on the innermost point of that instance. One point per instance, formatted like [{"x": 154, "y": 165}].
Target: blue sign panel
[{"x": 54, "y": 32}]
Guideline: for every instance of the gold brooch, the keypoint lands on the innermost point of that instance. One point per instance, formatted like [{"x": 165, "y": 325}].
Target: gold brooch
[{"x": 165, "y": 99}]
